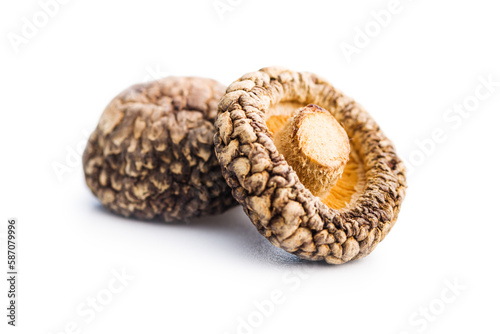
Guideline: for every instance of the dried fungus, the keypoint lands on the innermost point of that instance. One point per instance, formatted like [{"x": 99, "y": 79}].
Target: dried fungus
[
  {"x": 338, "y": 216},
  {"x": 152, "y": 152}
]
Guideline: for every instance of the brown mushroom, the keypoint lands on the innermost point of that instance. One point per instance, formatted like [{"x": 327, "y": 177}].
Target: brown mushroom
[
  {"x": 331, "y": 198},
  {"x": 152, "y": 153}
]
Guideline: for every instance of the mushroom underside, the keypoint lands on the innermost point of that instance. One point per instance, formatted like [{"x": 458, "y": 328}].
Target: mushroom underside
[{"x": 352, "y": 181}]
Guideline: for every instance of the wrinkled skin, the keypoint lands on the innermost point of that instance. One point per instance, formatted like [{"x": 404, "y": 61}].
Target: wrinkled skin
[{"x": 152, "y": 153}]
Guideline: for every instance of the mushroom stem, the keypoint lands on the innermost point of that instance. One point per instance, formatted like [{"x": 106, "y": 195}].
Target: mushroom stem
[{"x": 316, "y": 146}]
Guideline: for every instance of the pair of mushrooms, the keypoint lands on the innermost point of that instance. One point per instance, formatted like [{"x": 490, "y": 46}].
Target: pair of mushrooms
[{"x": 323, "y": 184}]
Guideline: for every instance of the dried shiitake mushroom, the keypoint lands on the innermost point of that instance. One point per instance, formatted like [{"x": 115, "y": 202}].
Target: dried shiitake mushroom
[
  {"x": 324, "y": 184},
  {"x": 152, "y": 153}
]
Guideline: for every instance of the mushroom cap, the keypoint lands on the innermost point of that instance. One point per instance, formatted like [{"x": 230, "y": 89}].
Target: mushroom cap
[
  {"x": 277, "y": 202},
  {"x": 152, "y": 153}
]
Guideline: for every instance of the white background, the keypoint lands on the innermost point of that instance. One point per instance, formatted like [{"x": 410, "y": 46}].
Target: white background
[{"x": 207, "y": 276}]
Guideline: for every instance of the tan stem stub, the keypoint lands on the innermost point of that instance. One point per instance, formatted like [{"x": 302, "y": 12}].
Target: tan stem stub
[{"x": 316, "y": 146}]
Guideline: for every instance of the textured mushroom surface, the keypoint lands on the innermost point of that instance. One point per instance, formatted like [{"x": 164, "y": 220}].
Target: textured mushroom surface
[
  {"x": 346, "y": 224},
  {"x": 152, "y": 152}
]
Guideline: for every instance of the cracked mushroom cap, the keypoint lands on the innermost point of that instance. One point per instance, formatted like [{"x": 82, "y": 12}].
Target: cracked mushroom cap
[
  {"x": 152, "y": 153},
  {"x": 311, "y": 168}
]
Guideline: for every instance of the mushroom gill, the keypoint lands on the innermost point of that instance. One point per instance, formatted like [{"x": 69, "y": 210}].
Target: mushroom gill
[{"x": 351, "y": 181}]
